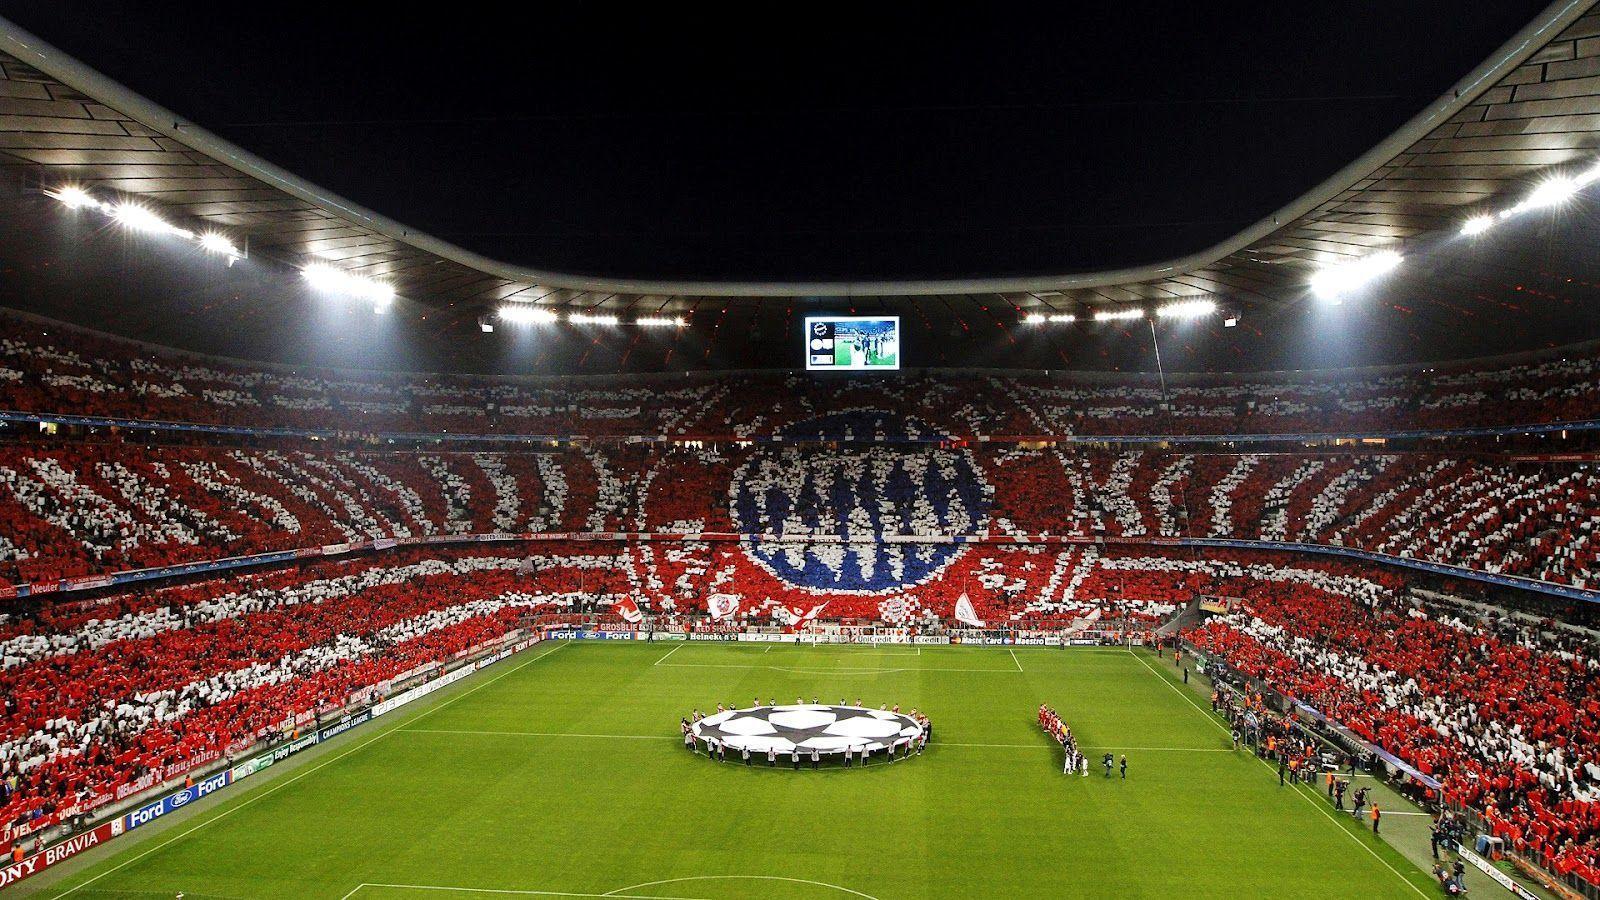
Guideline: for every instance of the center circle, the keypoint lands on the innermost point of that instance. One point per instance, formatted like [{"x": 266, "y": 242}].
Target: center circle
[
  {"x": 851, "y": 497},
  {"x": 826, "y": 729}
]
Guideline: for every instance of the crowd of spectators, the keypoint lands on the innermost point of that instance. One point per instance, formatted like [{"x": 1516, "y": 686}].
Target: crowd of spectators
[
  {"x": 89, "y": 508},
  {"x": 1504, "y": 711},
  {"x": 102, "y": 698},
  {"x": 58, "y": 369},
  {"x": 84, "y": 508},
  {"x": 105, "y": 696}
]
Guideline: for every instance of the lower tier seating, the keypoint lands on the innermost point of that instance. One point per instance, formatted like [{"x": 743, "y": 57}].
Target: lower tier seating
[{"x": 1504, "y": 711}]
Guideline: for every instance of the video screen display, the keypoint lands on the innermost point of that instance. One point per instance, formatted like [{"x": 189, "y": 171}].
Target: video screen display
[{"x": 852, "y": 343}]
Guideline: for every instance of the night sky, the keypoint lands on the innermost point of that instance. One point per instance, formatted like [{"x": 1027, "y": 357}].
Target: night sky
[{"x": 895, "y": 143}]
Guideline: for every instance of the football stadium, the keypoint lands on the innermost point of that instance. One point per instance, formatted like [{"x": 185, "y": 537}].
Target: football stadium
[{"x": 687, "y": 455}]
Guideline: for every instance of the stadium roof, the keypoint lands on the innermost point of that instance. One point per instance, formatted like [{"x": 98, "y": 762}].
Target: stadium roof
[{"x": 1530, "y": 110}]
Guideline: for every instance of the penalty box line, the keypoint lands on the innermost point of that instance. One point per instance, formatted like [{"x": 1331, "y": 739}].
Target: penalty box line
[
  {"x": 839, "y": 670},
  {"x": 768, "y": 645}
]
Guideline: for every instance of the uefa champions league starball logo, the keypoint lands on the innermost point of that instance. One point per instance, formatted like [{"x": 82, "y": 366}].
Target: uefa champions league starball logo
[
  {"x": 859, "y": 494},
  {"x": 826, "y": 729}
]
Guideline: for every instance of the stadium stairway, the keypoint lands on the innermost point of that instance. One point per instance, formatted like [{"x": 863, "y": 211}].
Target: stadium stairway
[{"x": 1188, "y": 617}]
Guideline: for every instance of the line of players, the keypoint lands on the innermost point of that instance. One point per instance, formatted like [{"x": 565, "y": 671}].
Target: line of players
[
  {"x": 718, "y": 750},
  {"x": 1076, "y": 761},
  {"x": 871, "y": 345}
]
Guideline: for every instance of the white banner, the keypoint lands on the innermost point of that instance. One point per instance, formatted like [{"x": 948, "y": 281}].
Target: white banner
[
  {"x": 965, "y": 613},
  {"x": 722, "y": 606}
]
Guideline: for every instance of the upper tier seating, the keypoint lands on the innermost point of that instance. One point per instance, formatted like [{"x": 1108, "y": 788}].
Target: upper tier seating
[
  {"x": 55, "y": 369},
  {"x": 79, "y": 509}
]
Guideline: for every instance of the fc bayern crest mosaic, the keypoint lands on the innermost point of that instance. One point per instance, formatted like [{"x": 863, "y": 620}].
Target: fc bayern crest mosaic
[
  {"x": 826, "y": 729},
  {"x": 864, "y": 508},
  {"x": 857, "y": 495}
]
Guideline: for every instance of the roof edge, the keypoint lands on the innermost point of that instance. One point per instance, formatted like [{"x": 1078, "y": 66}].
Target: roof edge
[{"x": 38, "y": 53}]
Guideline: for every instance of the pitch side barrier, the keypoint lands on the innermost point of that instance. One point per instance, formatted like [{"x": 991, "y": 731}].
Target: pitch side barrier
[
  {"x": 521, "y": 438},
  {"x": 93, "y": 582},
  {"x": 862, "y": 636},
  {"x": 1514, "y": 581},
  {"x": 223, "y": 778},
  {"x": 1350, "y": 739},
  {"x": 1338, "y": 733}
]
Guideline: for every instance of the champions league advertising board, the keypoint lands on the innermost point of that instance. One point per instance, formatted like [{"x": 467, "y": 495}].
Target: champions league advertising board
[{"x": 852, "y": 343}]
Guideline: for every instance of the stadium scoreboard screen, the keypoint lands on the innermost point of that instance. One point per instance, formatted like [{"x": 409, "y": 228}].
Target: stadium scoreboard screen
[{"x": 852, "y": 343}]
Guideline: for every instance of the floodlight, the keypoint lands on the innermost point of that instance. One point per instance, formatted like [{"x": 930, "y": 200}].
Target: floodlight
[
  {"x": 140, "y": 218},
  {"x": 216, "y": 243},
  {"x": 517, "y": 314},
  {"x": 73, "y": 198},
  {"x": 327, "y": 278},
  {"x": 1187, "y": 309},
  {"x": 1335, "y": 280},
  {"x": 1106, "y": 315}
]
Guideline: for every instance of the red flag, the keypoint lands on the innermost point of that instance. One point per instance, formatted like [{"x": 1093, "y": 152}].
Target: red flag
[
  {"x": 794, "y": 623},
  {"x": 628, "y": 610}
]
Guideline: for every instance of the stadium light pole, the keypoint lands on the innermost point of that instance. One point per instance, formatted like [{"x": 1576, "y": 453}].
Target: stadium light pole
[
  {"x": 1183, "y": 309},
  {"x": 1166, "y": 406},
  {"x": 1161, "y": 372}
]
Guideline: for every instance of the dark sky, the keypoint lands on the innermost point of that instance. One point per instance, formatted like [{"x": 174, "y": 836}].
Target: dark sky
[{"x": 756, "y": 145}]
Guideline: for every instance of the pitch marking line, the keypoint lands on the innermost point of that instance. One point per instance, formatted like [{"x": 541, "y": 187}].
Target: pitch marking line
[
  {"x": 620, "y": 893},
  {"x": 1318, "y": 806},
  {"x": 1128, "y": 749},
  {"x": 272, "y": 789},
  {"x": 571, "y": 734},
  {"x": 524, "y": 893},
  {"x": 852, "y": 649},
  {"x": 670, "y": 652},
  {"x": 668, "y": 737},
  {"x": 1014, "y": 658},
  {"x": 841, "y": 670},
  {"x": 633, "y": 887}
]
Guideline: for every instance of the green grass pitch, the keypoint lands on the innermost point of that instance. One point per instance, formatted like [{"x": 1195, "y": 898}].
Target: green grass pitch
[
  {"x": 561, "y": 773},
  {"x": 845, "y": 353}
]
